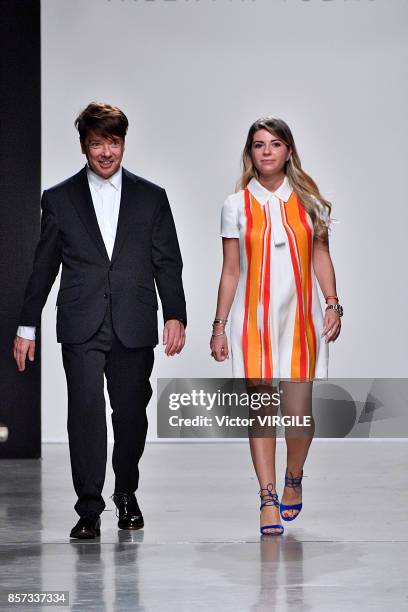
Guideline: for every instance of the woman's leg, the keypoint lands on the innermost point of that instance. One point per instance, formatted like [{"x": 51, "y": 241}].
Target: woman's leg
[
  {"x": 262, "y": 442},
  {"x": 296, "y": 400}
]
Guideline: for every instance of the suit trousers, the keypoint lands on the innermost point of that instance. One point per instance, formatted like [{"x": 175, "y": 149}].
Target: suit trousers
[{"x": 127, "y": 373}]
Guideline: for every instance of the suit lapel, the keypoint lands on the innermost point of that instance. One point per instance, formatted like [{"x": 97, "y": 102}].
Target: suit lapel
[
  {"x": 82, "y": 200},
  {"x": 126, "y": 210}
]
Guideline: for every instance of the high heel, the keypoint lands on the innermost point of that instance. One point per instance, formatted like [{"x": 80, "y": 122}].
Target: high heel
[
  {"x": 294, "y": 482},
  {"x": 270, "y": 499}
]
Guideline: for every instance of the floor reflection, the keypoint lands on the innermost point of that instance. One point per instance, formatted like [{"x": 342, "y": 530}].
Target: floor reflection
[
  {"x": 280, "y": 572},
  {"x": 200, "y": 549}
]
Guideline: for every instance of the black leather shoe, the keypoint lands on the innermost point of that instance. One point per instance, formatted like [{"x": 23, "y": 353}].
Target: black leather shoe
[
  {"x": 130, "y": 516},
  {"x": 86, "y": 528}
]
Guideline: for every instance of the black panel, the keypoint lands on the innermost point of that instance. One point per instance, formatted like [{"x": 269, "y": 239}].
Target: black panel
[{"x": 20, "y": 187}]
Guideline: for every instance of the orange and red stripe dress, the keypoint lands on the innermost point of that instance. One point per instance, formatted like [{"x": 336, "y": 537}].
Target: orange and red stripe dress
[{"x": 276, "y": 318}]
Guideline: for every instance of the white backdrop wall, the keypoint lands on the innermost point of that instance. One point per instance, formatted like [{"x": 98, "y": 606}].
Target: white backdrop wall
[{"x": 191, "y": 77}]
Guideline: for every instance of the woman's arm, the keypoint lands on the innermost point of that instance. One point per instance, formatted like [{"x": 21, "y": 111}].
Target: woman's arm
[
  {"x": 324, "y": 269},
  {"x": 226, "y": 293},
  {"x": 229, "y": 277},
  {"x": 326, "y": 277}
]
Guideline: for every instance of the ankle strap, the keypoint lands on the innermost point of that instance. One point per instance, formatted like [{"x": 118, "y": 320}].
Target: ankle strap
[
  {"x": 293, "y": 481},
  {"x": 268, "y": 490},
  {"x": 268, "y": 496}
]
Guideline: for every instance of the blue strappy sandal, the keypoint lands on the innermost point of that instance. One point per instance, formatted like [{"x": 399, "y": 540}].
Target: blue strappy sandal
[
  {"x": 270, "y": 499},
  {"x": 294, "y": 482}
]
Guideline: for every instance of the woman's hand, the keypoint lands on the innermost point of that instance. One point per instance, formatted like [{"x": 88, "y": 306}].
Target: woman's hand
[
  {"x": 219, "y": 345},
  {"x": 331, "y": 325}
]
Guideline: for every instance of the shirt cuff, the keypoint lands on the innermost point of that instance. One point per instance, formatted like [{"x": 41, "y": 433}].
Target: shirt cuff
[{"x": 28, "y": 333}]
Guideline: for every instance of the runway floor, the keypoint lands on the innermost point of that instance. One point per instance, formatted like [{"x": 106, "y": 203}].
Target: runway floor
[{"x": 200, "y": 549}]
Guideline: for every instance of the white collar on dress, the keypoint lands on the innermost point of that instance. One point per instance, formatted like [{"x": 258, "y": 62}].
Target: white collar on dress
[
  {"x": 260, "y": 193},
  {"x": 97, "y": 181}
]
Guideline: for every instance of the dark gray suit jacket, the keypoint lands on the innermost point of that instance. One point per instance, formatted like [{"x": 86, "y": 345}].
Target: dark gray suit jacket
[{"x": 146, "y": 252}]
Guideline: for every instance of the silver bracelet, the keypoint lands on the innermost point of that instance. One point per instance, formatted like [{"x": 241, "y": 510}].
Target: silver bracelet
[{"x": 336, "y": 307}]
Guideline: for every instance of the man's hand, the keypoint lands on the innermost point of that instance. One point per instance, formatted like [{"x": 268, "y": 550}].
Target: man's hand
[
  {"x": 21, "y": 348},
  {"x": 174, "y": 336}
]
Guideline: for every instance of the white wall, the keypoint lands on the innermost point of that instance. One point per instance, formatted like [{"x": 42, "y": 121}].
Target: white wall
[{"x": 191, "y": 77}]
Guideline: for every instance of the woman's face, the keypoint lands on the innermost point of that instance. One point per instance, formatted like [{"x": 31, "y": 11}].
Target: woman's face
[{"x": 269, "y": 153}]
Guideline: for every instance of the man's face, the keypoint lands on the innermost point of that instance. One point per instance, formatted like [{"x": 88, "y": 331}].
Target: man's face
[{"x": 104, "y": 154}]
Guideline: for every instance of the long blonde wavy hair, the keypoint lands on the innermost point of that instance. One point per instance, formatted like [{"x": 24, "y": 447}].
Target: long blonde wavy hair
[{"x": 303, "y": 184}]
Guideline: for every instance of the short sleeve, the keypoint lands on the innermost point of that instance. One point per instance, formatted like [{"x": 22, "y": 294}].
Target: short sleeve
[
  {"x": 323, "y": 213},
  {"x": 229, "y": 222}
]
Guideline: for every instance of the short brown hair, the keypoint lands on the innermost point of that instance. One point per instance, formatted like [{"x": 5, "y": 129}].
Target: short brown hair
[{"x": 103, "y": 119}]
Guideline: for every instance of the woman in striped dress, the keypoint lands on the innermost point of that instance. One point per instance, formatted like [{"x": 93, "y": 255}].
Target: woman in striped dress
[{"x": 275, "y": 245}]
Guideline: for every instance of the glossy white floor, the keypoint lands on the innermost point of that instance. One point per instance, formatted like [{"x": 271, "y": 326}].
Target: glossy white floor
[{"x": 200, "y": 548}]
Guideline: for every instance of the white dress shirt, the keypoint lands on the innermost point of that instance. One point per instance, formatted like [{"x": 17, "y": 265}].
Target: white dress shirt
[
  {"x": 106, "y": 195},
  {"x": 106, "y": 200}
]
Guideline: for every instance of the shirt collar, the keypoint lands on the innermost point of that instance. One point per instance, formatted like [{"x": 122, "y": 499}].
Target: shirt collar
[
  {"x": 260, "y": 193},
  {"x": 98, "y": 182}
]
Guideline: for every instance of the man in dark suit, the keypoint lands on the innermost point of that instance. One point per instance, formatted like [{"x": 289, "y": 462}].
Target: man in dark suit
[{"x": 114, "y": 234}]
